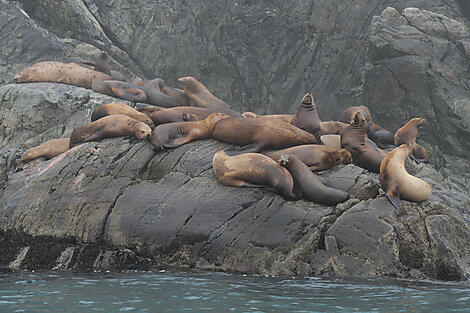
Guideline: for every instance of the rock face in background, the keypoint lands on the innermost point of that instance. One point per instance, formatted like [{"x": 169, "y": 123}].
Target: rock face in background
[{"x": 117, "y": 204}]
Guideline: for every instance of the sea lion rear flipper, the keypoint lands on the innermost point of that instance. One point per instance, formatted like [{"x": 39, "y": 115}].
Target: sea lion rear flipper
[
  {"x": 96, "y": 135},
  {"x": 395, "y": 201}
]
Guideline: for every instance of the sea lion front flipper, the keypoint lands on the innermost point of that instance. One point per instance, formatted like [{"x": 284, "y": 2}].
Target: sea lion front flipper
[
  {"x": 96, "y": 135},
  {"x": 394, "y": 200},
  {"x": 176, "y": 137}
]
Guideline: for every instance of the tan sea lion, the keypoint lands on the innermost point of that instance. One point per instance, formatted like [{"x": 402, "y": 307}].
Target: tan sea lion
[
  {"x": 120, "y": 108},
  {"x": 310, "y": 185},
  {"x": 348, "y": 115},
  {"x": 407, "y": 133},
  {"x": 365, "y": 152},
  {"x": 171, "y": 135},
  {"x": 397, "y": 182},
  {"x": 199, "y": 95},
  {"x": 332, "y": 127},
  {"x": 119, "y": 89},
  {"x": 49, "y": 149},
  {"x": 258, "y": 134},
  {"x": 155, "y": 96},
  {"x": 116, "y": 125},
  {"x": 253, "y": 170},
  {"x": 307, "y": 116},
  {"x": 170, "y": 115},
  {"x": 57, "y": 72},
  {"x": 317, "y": 157},
  {"x": 286, "y": 118}
]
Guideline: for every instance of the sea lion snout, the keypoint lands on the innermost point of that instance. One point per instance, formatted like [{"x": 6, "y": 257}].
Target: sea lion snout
[{"x": 283, "y": 160}]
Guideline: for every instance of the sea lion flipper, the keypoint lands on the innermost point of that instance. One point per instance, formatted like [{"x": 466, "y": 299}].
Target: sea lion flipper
[
  {"x": 245, "y": 149},
  {"x": 395, "y": 201},
  {"x": 96, "y": 135},
  {"x": 176, "y": 137},
  {"x": 251, "y": 185}
]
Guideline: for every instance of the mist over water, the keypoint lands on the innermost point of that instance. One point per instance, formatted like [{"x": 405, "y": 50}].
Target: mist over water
[{"x": 218, "y": 292}]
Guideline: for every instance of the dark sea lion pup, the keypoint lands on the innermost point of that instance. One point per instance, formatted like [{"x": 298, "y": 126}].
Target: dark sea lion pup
[
  {"x": 253, "y": 170},
  {"x": 48, "y": 150},
  {"x": 120, "y": 108},
  {"x": 119, "y": 89},
  {"x": 116, "y": 125},
  {"x": 310, "y": 185},
  {"x": 199, "y": 95},
  {"x": 307, "y": 116},
  {"x": 172, "y": 135},
  {"x": 397, "y": 182}
]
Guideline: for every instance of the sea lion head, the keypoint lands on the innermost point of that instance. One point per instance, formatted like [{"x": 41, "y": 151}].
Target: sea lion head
[
  {"x": 419, "y": 122},
  {"x": 284, "y": 160},
  {"x": 190, "y": 117},
  {"x": 308, "y": 99},
  {"x": 359, "y": 120},
  {"x": 142, "y": 131},
  {"x": 189, "y": 83}
]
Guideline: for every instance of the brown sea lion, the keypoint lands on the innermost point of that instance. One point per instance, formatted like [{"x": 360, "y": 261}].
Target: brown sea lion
[
  {"x": 116, "y": 125},
  {"x": 173, "y": 135},
  {"x": 317, "y": 157},
  {"x": 148, "y": 110},
  {"x": 348, "y": 115},
  {"x": 333, "y": 141},
  {"x": 176, "y": 94},
  {"x": 199, "y": 95},
  {"x": 310, "y": 185},
  {"x": 397, "y": 182},
  {"x": 120, "y": 108},
  {"x": 307, "y": 116},
  {"x": 407, "y": 133},
  {"x": 258, "y": 134},
  {"x": 115, "y": 75},
  {"x": 382, "y": 137},
  {"x": 332, "y": 127},
  {"x": 253, "y": 170},
  {"x": 119, "y": 89},
  {"x": 57, "y": 72},
  {"x": 48, "y": 150},
  {"x": 420, "y": 153},
  {"x": 365, "y": 152},
  {"x": 286, "y": 118},
  {"x": 155, "y": 96},
  {"x": 170, "y": 115}
]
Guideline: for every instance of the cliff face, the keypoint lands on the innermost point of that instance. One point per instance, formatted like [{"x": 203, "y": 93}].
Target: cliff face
[{"x": 129, "y": 206}]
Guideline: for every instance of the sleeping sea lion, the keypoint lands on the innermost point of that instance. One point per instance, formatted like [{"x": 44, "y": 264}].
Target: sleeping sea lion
[
  {"x": 348, "y": 115},
  {"x": 49, "y": 149},
  {"x": 57, "y": 72},
  {"x": 258, "y": 134},
  {"x": 397, "y": 182},
  {"x": 307, "y": 116},
  {"x": 310, "y": 185},
  {"x": 170, "y": 115},
  {"x": 171, "y": 135},
  {"x": 155, "y": 96},
  {"x": 317, "y": 157},
  {"x": 199, "y": 95},
  {"x": 120, "y": 108},
  {"x": 253, "y": 170},
  {"x": 116, "y": 125},
  {"x": 119, "y": 89}
]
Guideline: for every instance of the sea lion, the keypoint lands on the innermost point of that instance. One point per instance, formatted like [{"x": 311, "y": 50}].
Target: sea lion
[
  {"x": 171, "y": 135},
  {"x": 332, "y": 127},
  {"x": 148, "y": 110},
  {"x": 116, "y": 125},
  {"x": 155, "y": 96},
  {"x": 382, "y": 137},
  {"x": 102, "y": 63},
  {"x": 407, "y": 133},
  {"x": 176, "y": 94},
  {"x": 115, "y": 75},
  {"x": 119, "y": 89},
  {"x": 286, "y": 118},
  {"x": 310, "y": 185},
  {"x": 307, "y": 116},
  {"x": 170, "y": 115},
  {"x": 397, "y": 182},
  {"x": 49, "y": 149},
  {"x": 260, "y": 134},
  {"x": 253, "y": 170},
  {"x": 199, "y": 95},
  {"x": 364, "y": 151},
  {"x": 57, "y": 72},
  {"x": 317, "y": 157},
  {"x": 331, "y": 140},
  {"x": 420, "y": 153},
  {"x": 120, "y": 108},
  {"x": 348, "y": 115}
]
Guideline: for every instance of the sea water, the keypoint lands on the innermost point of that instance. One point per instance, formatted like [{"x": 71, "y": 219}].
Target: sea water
[{"x": 218, "y": 292}]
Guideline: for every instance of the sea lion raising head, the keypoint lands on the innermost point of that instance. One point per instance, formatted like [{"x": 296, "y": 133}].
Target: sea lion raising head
[
  {"x": 307, "y": 116},
  {"x": 199, "y": 95}
]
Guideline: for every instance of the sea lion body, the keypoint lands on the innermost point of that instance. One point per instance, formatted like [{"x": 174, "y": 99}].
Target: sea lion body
[
  {"x": 332, "y": 127},
  {"x": 120, "y": 108},
  {"x": 248, "y": 169},
  {"x": 307, "y": 116},
  {"x": 310, "y": 185},
  {"x": 407, "y": 133},
  {"x": 119, "y": 89},
  {"x": 171, "y": 135},
  {"x": 397, "y": 182},
  {"x": 155, "y": 96},
  {"x": 261, "y": 134},
  {"x": 176, "y": 94},
  {"x": 317, "y": 157},
  {"x": 176, "y": 114},
  {"x": 199, "y": 95},
  {"x": 48, "y": 150},
  {"x": 348, "y": 115},
  {"x": 116, "y": 125},
  {"x": 57, "y": 72}
]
